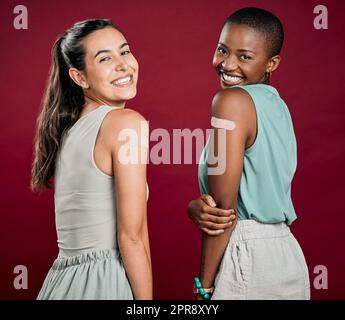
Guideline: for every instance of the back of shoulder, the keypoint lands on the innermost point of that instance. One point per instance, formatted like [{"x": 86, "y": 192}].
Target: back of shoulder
[
  {"x": 125, "y": 115},
  {"x": 232, "y": 101},
  {"x": 123, "y": 122},
  {"x": 119, "y": 119}
]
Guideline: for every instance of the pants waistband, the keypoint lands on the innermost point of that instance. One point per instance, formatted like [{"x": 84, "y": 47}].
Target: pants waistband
[{"x": 251, "y": 229}]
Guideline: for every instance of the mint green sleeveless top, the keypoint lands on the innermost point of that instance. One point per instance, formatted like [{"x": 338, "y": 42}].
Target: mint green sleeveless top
[{"x": 269, "y": 164}]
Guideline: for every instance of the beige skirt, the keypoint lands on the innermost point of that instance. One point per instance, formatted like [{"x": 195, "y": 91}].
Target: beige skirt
[{"x": 262, "y": 262}]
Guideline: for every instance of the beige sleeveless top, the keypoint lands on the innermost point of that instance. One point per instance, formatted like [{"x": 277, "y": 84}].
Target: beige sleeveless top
[{"x": 85, "y": 210}]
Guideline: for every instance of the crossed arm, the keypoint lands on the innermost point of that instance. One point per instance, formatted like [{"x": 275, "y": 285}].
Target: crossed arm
[{"x": 234, "y": 105}]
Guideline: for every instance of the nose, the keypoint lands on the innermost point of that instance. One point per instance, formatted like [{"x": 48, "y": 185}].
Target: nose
[
  {"x": 121, "y": 65},
  {"x": 230, "y": 63}
]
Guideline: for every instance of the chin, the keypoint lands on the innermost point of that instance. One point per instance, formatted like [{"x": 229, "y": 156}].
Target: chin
[
  {"x": 125, "y": 96},
  {"x": 228, "y": 85},
  {"x": 124, "y": 92},
  {"x": 129, "y": 95},
  {"x": 225, "y": 86}
]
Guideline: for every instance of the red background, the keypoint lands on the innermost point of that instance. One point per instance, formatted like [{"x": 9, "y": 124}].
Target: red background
[{"x": 174, "y": 43}]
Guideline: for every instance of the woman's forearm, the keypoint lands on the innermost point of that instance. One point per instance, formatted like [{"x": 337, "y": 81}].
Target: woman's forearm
[
  {"x": 147, "y": 242},
  {"x": 213, "y": 248},
  {"x": 138, "y": 266}
]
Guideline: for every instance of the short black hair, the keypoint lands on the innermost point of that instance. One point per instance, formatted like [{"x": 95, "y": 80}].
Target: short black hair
[{"x": 264, "y": 22}]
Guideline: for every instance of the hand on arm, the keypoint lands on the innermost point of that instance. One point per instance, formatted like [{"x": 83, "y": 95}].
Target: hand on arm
[
  {"x": 211, "y": 220},
  {"x": 131, "y": 201},
  {"x": 234, "y": 105}
]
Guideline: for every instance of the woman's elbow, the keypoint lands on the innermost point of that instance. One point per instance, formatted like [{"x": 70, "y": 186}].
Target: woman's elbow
[
  {"x": 131, "y": 237},
  {"x": 226, "y": 202}
]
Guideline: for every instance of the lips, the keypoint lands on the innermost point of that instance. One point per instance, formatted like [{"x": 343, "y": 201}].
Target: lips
[
  {"x": 231, "y": 79},
  {"x": 123, "y": 81}
]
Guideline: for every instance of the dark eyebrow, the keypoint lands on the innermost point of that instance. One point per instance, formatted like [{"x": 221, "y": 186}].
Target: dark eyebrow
[
  {"x": 124, "y": 44},
  {"x": 245, "y": 50},
  {"x": 239, "y": 50},
  {"x": 101, "y": 51},
  {"x": 104, "y": 51}
]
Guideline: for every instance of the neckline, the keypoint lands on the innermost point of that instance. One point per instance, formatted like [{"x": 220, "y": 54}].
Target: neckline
[
  {"x": 89, "y": 113},
  {"x": 92, "y": 111},
  {"x": 264, "y": 85},
  {"x": 271, "y": 88},
  {"x": 268, "y": 87}
]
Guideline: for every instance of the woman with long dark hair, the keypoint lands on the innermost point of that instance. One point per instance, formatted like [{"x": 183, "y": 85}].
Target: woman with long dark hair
[{"x": 100, "y": 196}]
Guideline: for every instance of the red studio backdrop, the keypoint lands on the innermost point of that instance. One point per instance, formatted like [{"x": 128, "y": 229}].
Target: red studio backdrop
[{"x": 174, "y": 42}]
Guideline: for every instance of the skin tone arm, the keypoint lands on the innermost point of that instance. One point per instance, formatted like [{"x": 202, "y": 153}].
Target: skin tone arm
[
  {"x": 234, "y": 105},
  {"x": 131, "y": 200},
  {"x": 211, "y": 220},
  {"x": 147, "y": 242}
]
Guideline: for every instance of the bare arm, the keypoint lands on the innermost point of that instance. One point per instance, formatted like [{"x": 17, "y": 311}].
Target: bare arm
[
  {"x": 233, "y": 105},
  {"x": 147, "y": 241},
  {"x": 129, "y": 165},
  {"x": 209, "y": 219}
]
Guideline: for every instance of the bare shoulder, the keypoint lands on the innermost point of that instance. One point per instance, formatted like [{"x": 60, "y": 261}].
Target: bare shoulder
[
  {"x": 119, "y": 119},
  {"x": 124, "y": 117},
  {"x": 123, "y": 122},
  {"x": 233, "y": 103}
]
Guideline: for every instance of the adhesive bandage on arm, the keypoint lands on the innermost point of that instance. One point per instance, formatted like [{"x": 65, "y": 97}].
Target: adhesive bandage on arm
[{"x": 222, "y": 123}]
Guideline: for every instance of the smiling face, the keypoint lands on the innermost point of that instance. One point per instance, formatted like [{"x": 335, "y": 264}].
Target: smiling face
[
  {"x": 111, "y": 72},
  {"x": 242, "y": 57}
]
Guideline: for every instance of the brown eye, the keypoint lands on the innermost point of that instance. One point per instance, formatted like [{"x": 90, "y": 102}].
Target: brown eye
[
  {"x": 124, "y": 53},
  {"x": 244, "y": 57},
  {"x": 104, "y": 59},
  {"x": 221, "y": 50}
]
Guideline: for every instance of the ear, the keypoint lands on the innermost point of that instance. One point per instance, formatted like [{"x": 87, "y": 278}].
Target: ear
[
  {"x": 273, "y": 63},
  {"x": 78, "y": 77}
]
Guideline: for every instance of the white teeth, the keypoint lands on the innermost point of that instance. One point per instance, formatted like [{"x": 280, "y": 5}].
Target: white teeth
[
  {"x": 231, "y": 79},
  {"x": 122, "y": 81}
]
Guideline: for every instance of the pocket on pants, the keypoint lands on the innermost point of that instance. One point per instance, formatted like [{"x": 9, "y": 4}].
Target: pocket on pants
[
  {"x": 233, "y": 275},
  {"x": 241, "y": 261},
  {"x": 300, "y": 259}
]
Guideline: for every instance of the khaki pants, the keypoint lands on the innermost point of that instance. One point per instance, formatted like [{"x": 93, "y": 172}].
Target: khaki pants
[{"x": 262, "y": 261}]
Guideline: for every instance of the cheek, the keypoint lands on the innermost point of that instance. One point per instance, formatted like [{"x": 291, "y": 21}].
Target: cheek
[
  {"x": 99, "y": 74},
  {"x": 251, "y": 68},
  {"x": 101, "y": 83},
  {"x": 215, "y": 61},
  {"x": 135, "y": 67},
  {"x": 133, "y": 63}
]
